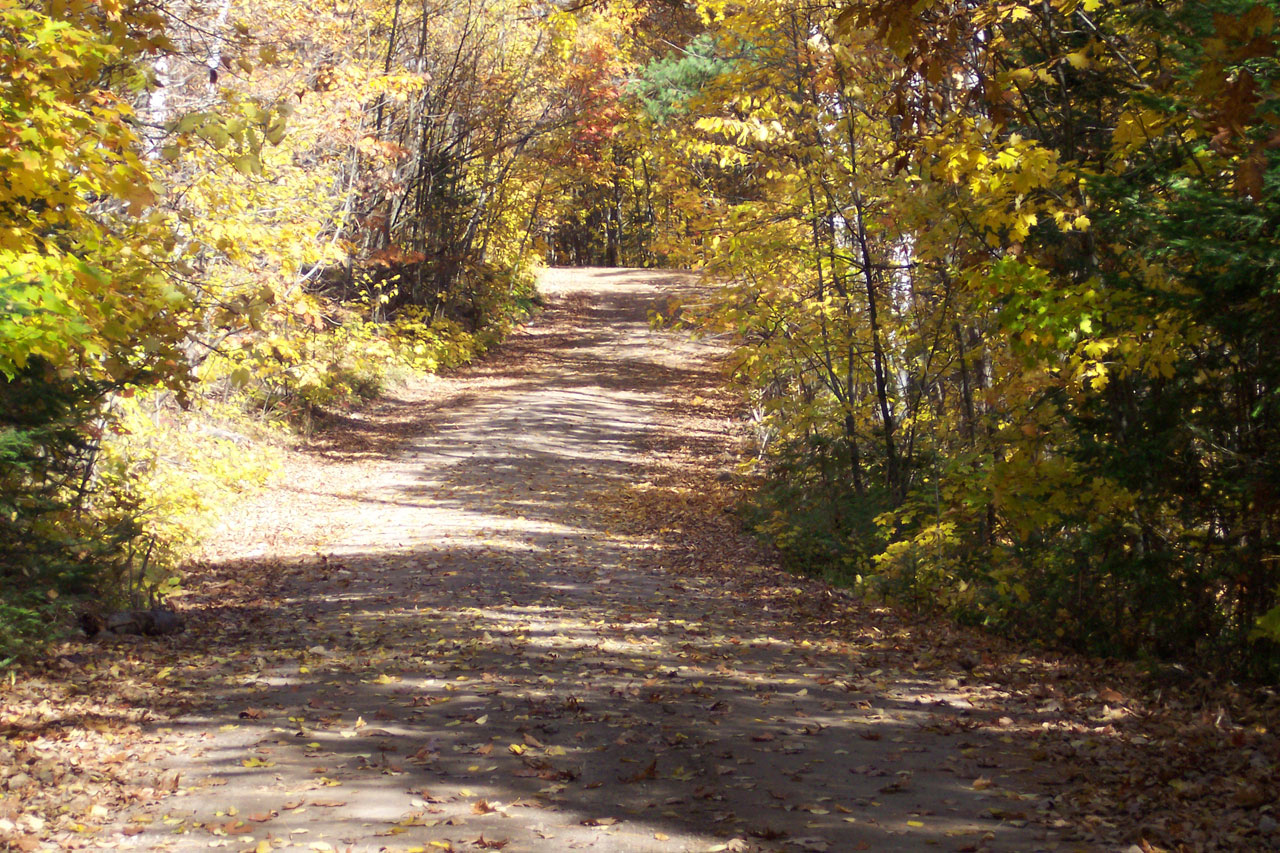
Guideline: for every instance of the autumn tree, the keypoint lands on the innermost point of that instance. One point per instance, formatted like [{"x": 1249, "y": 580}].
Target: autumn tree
[
  {"x": 89, "y": 309},
  {"x": 244, "y": 208},
  {"x": 1002, "y": 277}
]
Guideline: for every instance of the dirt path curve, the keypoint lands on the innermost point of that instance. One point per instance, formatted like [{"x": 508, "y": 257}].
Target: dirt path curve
[{"x": 492, "y": 617}]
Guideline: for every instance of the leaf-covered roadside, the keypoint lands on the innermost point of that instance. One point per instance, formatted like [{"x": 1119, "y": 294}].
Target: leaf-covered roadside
[
  {"x": 700, "y": 686},
  {"x": 79, "y": 746},
  {"x": 1165, "y": 758}
]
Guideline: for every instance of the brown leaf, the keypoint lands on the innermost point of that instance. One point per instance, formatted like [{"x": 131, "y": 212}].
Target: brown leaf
[
  {"x": 252, "y": 714},
  {"x": 489, "y": 844},
  {"x": 482, "y": 807},
  {"x": 262, "y": 817},
  {"x": 600, "y": 821},
  {"x": 328, "y": 804},
  {"x": 762, "y": 737},
  {"x": 1249, "y": 176},
  {"x": 649, "y": 772},
  {"x": 1250, "y": 797}
]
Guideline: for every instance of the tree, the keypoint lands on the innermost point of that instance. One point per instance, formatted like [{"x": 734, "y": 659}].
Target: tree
[
  {"x": 1004, "y": 283},
  {"x": 88, "y": 307}
]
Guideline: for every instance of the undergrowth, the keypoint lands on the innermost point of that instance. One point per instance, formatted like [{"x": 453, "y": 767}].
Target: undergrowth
[{"x": 108, "y": 498}]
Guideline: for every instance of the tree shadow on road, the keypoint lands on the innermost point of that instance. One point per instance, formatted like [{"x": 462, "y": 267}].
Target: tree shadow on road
[{"x": 516, "y": 644}]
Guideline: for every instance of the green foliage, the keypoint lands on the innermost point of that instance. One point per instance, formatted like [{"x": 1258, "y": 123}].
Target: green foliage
[
  {"x": 87, "y": 309},
  {"x": 667, "y": 85},
  {"x": 50, "y": 551}
]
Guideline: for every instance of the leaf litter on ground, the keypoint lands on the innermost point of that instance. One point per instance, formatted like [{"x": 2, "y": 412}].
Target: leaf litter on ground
[{"x": 1120, "y": 757}]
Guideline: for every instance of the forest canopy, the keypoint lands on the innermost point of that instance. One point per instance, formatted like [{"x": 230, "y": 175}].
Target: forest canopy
[{"x": 1001, "y": 277}]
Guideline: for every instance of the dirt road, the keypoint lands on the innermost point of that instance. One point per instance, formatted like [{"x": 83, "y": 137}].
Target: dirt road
[{"x": 506, "y": 610}]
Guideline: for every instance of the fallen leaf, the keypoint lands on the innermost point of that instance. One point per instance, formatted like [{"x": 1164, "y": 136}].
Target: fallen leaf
[{"x": 650, "y": 772}]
